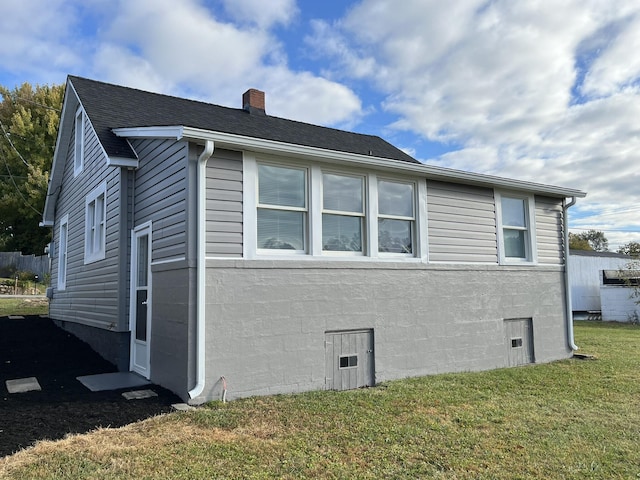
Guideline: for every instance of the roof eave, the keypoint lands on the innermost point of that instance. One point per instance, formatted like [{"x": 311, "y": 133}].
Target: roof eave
[
  {"x": 69, "y": 106},
  {"x": 229, "y": 140}
]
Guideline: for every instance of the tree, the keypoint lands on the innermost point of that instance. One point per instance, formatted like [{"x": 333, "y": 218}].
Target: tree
[
  {"x": 29, "y": 118},
  {"x": 576, "y": 242},
  {"x": 630, "y": 248},
  {"x": 596, "y": 239}
]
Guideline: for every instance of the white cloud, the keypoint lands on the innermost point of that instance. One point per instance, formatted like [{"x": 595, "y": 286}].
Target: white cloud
[
  {"x": 264, "y": 14},
  {"x": 307, "y": 98},
  {"x": 184, "y": 49},
  {"x": 616, "y": 67},
  {"x": 36, "y": 38},
  {"x": 499, "y": 81}
]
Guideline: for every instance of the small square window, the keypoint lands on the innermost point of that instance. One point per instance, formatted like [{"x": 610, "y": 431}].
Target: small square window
[
  {"x": 348, "y": 361},
  {"x": 516, "y": 342}
]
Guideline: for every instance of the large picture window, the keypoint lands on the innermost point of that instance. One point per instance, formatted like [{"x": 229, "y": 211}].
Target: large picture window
[
  {"x": 282, "y": 208},
  {"x": 95, "y": 224},
  {"x": 396, "y": 217},
  {"x": 342, "y": 213}
]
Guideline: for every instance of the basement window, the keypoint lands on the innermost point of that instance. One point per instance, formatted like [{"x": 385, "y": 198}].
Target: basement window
[{"x": 348, "y": 361}]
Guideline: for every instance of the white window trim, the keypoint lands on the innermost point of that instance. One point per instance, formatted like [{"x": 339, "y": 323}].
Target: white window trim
[
  {"x": 314, "y": 214},
  {"x": 530, "y": 218},
  {"x": 91, "y": 254},
  {"x": 78, "y": 154},
  {"x": 62, "y": 253}
]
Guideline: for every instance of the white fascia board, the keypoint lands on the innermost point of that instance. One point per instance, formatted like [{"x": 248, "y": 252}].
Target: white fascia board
[
  {"x": 69, "y": 107},
  {"x": 173, "y": 132},
  {"x": 122, "y": 162},
  {"x": 230, "y": 140}
]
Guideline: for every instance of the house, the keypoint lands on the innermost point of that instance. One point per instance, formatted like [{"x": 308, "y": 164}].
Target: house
[
  {"x": 586, "y": 269},
  {"x": 221, "y": 251}
]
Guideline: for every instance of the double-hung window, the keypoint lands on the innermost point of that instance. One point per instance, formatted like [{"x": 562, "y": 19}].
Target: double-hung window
[
  {"x": 95, "y": 224},
  {"x": 282, "y": 208},
  {"x": 62, "y": 252},
  {"x": 396, "y": 217},
  {"x": 515, "y": 226},
  {"x": 342, "y": 213}
]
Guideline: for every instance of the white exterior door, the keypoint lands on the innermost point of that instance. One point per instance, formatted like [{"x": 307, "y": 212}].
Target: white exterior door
[{"x": 140, "y": 311}]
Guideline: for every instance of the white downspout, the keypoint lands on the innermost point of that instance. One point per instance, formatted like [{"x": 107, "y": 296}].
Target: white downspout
[
  {"x": 201, "y": 268},
  {"x": 567, "y": 284}
]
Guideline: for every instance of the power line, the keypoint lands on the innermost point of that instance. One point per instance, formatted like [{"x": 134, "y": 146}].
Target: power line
[
  {"x": 15, "y": 185},
  {"x": 36, "y": 103},
  {"x": 6, "y": 135}
]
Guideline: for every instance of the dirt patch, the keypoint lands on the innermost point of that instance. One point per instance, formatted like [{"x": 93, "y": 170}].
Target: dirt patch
[{"x": 35, "y": 347}]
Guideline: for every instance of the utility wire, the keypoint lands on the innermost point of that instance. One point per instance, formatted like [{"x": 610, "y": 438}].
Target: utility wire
[
  {"x": 35, "y": 103},
  {"x": 18, "y": 189},
  {"x": 6, "y": 135}
]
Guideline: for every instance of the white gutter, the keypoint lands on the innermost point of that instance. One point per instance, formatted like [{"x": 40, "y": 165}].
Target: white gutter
[
  {"x": 201, "y": 268},
  {"x": 567, "y": 283},
  {"x": 231, "y": 141}
]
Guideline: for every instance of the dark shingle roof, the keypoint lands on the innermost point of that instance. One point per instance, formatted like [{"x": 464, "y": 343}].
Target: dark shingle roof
[{"x": 111, "y": 106}]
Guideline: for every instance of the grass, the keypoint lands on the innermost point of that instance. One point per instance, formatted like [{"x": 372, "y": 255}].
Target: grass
[
  {"x": 23, "y": 306},
  {"x": 572, "y": 419}
]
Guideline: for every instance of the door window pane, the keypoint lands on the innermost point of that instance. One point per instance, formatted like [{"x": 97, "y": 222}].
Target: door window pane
[
  {"x": 143, "y": 248},
  {"x": 141, "y": 315}
]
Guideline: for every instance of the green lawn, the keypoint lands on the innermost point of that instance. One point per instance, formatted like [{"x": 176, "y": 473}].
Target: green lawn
[
  {"x": 572, "y": 419},
  {"x": 23, "y": 306}
]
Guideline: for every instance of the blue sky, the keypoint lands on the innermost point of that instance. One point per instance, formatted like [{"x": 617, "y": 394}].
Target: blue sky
[{"x": 545, "y": 91}]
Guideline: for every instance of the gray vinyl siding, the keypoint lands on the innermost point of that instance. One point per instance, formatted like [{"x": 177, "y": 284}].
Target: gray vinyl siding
[
  {"x": 224, "y": 204},
  {"x": 91, "y": 293},
  {"x": 549, "y": 231},
  {"x": 160, "y": 192},
  {"x": 461, "y": 223}
]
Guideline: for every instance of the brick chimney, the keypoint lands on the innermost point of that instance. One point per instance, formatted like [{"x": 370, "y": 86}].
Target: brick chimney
[{"x": 253, "y": 101}]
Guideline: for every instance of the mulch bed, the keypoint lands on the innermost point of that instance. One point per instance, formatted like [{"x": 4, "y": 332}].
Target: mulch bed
[{"x": 36, "y": 347}]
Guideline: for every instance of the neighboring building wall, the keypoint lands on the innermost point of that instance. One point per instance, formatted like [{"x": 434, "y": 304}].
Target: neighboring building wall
[
  {"x": 266, "y": 320},
  {"x": 617, "y": 304},
  {"x": 549, "y": 231},
  {"x": 461, "y": 223},
  {"x": 585, "y": 277}
]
